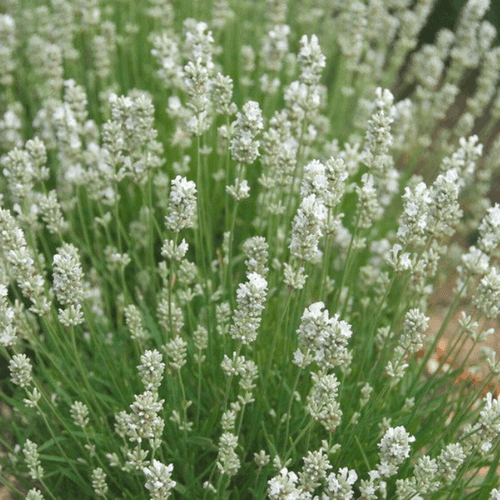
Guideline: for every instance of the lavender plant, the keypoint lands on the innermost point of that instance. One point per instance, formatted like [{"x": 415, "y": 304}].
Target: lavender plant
[{"x": 221, "y": 228}]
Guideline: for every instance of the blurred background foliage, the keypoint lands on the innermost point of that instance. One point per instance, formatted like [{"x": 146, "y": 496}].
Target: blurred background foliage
[{"x": 445, "y": 15}]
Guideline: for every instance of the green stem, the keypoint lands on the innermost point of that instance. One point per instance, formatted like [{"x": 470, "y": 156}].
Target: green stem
[
  {"x": 289, "y": 411},
  {"x": 303, "y": 432}
]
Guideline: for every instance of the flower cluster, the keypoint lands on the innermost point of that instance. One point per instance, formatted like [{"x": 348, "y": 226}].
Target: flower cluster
[
  {"x": 322, "y": 339},
  {"x": 249, "y": 123},
  {"x": 247, "y": 317},
  {"x": 68, "y": 284},
  {"x": 307, "y": 229},
  {"x": 182, "y": 205},
  {"x": 322, "y": 402},
  {"x": 159, "y": 480}
]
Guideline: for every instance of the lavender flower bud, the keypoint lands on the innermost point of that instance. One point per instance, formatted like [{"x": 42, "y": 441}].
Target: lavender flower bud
[
  {"x": 99, "y": 482},
  {"x": 311, "y": 60},
  {"x": 256, "y": 250},
  {"x": 415, "y": 325},
  {"x": 413, "y": 222},
  {"x": 283, "y": 487},
  {"x": 34, "y": 494},
  {"x": 7, "y": 326},
  {"x": 228, "y": 462},
  {"x": 294, "y": 279},
  {"x": 308, "y": 228},
  {"x": 32, "y": 459},
  {"x": 247, "y": 317},
  {"x": 244, "y": 148},
  {"x": 133, "y": 320},
  {"x": 176, "y": 352},
  {"x": 182, "y": 205},
  {"x": 80, "y": 414},
  {"x": 275, "y": 47},
  {"x": 144, "y": 422},
  {"x": 322, "y": 402},
  {"x": 325, "y": 338},
  {"x": 19, "y": 256},
  {"x": 494, "y": 494},
  {"x": 159, "y": 480},
  {"x": 487, "y": 294},
  {"x": 222, "y": 93},
  {"x": 151, "y": 370},
  {"x": 68, "y": 275},
  {"x": 394, "y": 450},
  {"x": 316, "y": 465},
  {"x": 340, "y": 486},
  {"x": 20, "y": 370},
  {"x": 449, "y": 461},
  {"x": 489, "y": 231}
]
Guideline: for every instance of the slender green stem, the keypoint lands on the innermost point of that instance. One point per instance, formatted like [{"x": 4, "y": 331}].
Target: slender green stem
[
  {"x": 289, "y": 410},
  {"x": 302, "y": 433}
]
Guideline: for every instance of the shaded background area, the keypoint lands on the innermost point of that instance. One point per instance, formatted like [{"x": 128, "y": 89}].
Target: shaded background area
[{"x": 445, "y": 15}]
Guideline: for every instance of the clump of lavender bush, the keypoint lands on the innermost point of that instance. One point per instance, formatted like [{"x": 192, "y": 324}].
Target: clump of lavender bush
[{"x": 220, "y": 227}]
